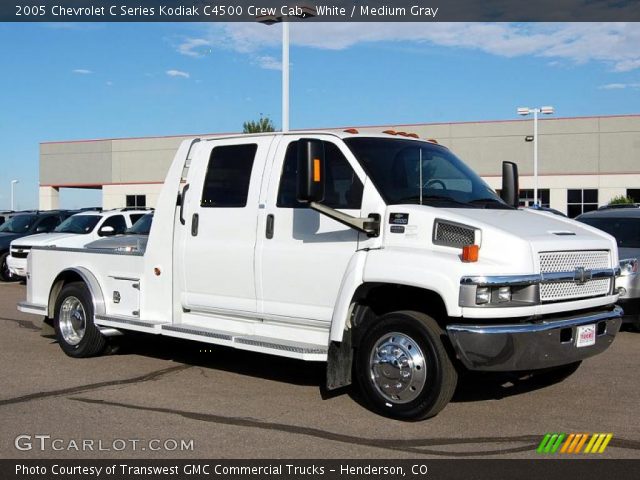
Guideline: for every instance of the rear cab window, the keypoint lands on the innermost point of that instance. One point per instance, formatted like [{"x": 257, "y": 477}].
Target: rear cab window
[{"x": 226, "y": 183}]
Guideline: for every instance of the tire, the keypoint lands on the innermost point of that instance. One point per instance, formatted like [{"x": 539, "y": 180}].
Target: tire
[
  {"x": 5, "y": 274},
  {"x": 413, "y": 341},
  {"x": 73, "y": 322},
  {"x": 556, "y": 374}
]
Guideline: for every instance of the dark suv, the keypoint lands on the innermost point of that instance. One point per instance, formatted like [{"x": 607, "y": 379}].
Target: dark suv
[
  {"x": 623, "y": 222},
  {"x": 20, "y": 225}
]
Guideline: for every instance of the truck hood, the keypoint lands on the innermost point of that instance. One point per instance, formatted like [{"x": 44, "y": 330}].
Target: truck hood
[
  {"x": 544, "y": 230},
  {"x": 43, "y": 239},
  {"x": 129, "y": 241}
]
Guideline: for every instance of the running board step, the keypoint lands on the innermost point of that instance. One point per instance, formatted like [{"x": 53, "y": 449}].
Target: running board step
[
  {"x": 273, "y": 346},
  {"x": 128, "y": 323}
]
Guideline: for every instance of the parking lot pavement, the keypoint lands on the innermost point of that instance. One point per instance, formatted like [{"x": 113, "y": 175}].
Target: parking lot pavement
[{"x": 235, "y": 404}]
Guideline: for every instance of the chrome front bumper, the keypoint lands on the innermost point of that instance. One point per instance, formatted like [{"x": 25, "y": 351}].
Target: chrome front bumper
[{"x": 532, "y": 346}]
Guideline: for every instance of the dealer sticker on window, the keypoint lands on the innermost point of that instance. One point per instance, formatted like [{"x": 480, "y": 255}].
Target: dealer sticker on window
[{"x": 586, "y": 336}]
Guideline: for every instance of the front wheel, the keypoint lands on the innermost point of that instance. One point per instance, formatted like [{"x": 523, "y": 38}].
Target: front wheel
[
  {"x": 73, "y": 322},
  {"x": 5, "y": 273},
  {"x": 403, "y": 368}
]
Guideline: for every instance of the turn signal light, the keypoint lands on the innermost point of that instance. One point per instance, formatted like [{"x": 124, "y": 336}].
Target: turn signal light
[{"x": 470, "y": 253}]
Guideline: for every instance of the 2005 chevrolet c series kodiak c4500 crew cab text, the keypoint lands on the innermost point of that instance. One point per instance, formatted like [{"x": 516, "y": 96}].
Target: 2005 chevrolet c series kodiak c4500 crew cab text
[{"x": 383, "y": 255}]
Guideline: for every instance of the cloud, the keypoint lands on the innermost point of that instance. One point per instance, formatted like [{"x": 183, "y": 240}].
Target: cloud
[
  {"x": 194, "y": 47},
  {"x": 618, "y": 86},
  {"x": 82, "y": 71},
  {"x": 177, "y": 73},
  {"x": 613, "y": 44},
  {"x": 268, "y": 62}
]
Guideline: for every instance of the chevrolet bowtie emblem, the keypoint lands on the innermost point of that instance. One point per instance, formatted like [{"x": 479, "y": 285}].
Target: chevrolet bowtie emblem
[{"x": 581, "y": 276}]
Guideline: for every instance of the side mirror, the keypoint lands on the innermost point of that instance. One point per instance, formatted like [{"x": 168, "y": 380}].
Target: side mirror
[
  {"x": 106, "y": 231},
  {"x": 310, "y": 170},
  {"x": 510, "y": 189}
]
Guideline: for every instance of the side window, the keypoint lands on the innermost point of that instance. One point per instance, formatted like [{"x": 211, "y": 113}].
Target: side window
[
  {"x": 117, "y": 222},
  {"x": 226, "y": 184},
  {"x": 48, "y": 224},
  {"x": 343, "y": 188},
  {"x": 134, "y": 217}
]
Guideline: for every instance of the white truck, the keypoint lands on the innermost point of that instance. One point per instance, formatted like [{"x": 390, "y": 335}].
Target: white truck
[{"x": 383, "y": 255}]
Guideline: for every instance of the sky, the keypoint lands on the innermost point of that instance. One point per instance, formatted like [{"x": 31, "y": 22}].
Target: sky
[{"x": 69, "y": 81}]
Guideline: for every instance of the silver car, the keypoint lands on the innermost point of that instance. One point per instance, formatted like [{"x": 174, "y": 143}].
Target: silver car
[
  {"x": 623, "y": 222},
  {"x": 133, "y": 240}
]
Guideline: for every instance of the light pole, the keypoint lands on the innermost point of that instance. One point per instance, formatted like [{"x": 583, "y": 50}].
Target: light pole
[
  {"x": 13, "y": 183},
  {"x": 301, "y": 12},
  {"x": 524, "y": 111}
]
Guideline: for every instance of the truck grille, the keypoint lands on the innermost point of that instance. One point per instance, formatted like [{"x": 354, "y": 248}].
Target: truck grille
[
  {"x": 21, "y": 252},
  {"x": 568, "y": 262}
]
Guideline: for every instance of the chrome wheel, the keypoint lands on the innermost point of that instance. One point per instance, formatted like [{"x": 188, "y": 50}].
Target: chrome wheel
[
  {"x": 397, "y": 368},
  {"x": 72, "y": 320}
]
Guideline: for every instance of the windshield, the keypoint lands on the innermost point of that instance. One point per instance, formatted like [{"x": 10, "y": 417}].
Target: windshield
[
  {"x": 625, "y": 230},
  {"x": 18, "y": 224},
  {"x": 142, "y": 226},
  {"x": 80, "y": 224},
  {"x": 406, "y": 171}
]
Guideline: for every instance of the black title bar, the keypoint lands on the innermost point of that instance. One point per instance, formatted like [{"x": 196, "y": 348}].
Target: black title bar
[{"x": 318, "y": 10}]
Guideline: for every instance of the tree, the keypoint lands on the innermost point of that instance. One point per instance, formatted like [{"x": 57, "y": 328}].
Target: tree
[
  {"x": 621, "y": 200},
  {"x": 263, "y": 125}
]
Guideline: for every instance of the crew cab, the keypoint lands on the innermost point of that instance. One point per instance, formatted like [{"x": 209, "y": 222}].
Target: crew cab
[
  {"x": 383, "y": 255},
  {"x": 76, "y": 231}
]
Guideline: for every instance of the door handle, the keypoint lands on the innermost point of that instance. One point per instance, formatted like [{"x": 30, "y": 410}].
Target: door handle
[
  {"x": 182, "y": 199},
  {"x": 194, "y": 224},
  {"x": 269, "y": 232}
]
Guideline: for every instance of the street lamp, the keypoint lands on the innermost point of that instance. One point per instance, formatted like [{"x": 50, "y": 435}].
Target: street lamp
[
  {"x": 13, "y": 183},
  {"x": 524, "y": 111},
  {"x": 300, "y": 12}
]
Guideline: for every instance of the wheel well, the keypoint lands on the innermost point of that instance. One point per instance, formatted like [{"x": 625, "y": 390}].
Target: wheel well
[
  {"x": 61, "y": 280},
  {"x": 375, "y": 299}
]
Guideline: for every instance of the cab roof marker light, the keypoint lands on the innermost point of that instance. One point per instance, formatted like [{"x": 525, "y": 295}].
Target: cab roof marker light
[
  {"x": 432, "y": 140},
  {"x": 470, "y": 253},
  {"x": 351, "y": 130},
  {"x": 413, "y": 135},
  {"x": 390, "y": 132}
]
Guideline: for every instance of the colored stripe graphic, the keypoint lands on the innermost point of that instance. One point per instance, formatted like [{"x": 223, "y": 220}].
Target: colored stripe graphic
[
  {"x": 550, "y": 443},
  {"x": 573, "y": 443}
]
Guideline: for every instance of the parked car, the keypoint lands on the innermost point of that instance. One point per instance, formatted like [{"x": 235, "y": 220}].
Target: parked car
[
  {"x": 623, "y": 223},
  {"x": 75, "y": 232},
  {"x": 23, "y": 224},
  {"x": 383, "y": 253},
  {"x": 133, "y": 240},
  {"x": 5, "y": 215}
]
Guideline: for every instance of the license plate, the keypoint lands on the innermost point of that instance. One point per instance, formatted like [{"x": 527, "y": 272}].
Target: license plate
[{"x": 586, "y": 336}]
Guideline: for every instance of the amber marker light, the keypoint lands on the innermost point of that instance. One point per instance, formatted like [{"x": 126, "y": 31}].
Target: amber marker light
[{"x": 470, "y": 253}]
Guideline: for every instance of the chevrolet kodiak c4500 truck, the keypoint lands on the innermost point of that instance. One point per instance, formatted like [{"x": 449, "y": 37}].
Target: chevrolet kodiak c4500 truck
[{"x": 383, "y": 255}]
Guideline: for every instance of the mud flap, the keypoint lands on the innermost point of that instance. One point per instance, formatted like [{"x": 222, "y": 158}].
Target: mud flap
[{"x": 339, "y": 362}]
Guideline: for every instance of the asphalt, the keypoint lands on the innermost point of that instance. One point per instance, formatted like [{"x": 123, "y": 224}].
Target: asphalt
[{"x": 233, "y": 404}]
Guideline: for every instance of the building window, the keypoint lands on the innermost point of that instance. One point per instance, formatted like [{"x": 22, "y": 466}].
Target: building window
[
  {"x": 581, "y": 201},
  {"x": 526, "y": 197},
  {"x": 136, "y": 201},
  {"x": 634, "y": 193},
  {"x": 226, "y": 183}
]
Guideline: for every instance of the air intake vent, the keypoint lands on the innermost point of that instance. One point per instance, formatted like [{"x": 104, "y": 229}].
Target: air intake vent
[{"x": 450, "y": 234}]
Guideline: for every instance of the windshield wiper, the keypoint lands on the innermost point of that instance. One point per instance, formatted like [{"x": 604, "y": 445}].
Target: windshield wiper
[
  {"x": 490, "y": 201},
  {"x": 443, "y": 198}
]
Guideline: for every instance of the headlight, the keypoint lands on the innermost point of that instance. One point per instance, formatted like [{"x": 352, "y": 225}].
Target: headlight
[
  {"x": 628, "y": 266},
  {"x": 483, "y": 295},
  {"x": 504, "y": 294}
]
